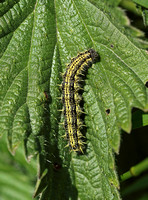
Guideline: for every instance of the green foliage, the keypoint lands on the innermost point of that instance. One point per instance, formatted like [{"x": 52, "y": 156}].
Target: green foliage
[
  {"x": 145, "y": 16},
  {"x": 144, "y": 6},
  {"x": 143, "y": 3},
  {"x": 38, "y": 38},
  {"x": 16, "y": 175}
]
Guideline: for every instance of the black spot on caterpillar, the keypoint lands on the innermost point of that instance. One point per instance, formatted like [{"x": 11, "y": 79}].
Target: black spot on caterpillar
[{"x": 71, "y": 97}]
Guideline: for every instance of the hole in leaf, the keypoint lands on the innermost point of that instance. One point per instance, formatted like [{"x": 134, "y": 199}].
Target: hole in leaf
[
  {"x": 57, "y": 166},
  {"x": 146, "y": 84},
  {"x": 107, "y": 111}
]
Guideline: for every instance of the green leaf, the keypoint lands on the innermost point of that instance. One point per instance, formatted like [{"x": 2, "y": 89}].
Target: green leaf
[
  {"x": 17, "y": 176},
  {"x": 145, "y": 16},
  {"x": 130, "y": 6},
  {"x": 38, "y": 41},
  {"x": 143, "y": 3},
  {"x": 144, "y": 6}
]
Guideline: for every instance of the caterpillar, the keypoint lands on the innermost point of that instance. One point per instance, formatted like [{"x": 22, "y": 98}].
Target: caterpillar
[{"x": 71, "y": 97}]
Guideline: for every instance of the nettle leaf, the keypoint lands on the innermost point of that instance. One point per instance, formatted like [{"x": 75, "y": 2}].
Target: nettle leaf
[
  {"x": 143, "y": 3},
  {"x": 14, "y": 183},
  {"x": 38, "y": 38}
]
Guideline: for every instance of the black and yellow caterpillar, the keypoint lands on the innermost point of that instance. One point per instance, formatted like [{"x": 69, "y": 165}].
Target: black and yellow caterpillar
[{"x": 71, "y": 97}]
